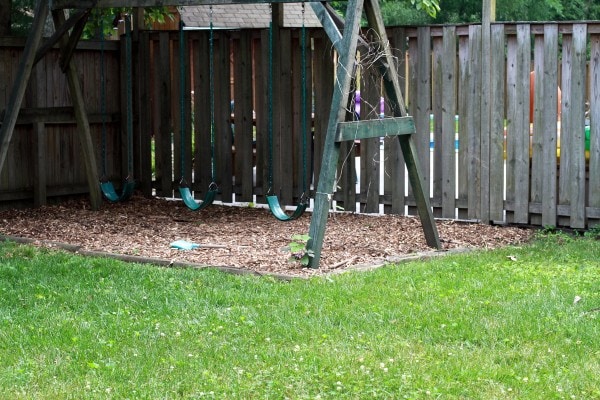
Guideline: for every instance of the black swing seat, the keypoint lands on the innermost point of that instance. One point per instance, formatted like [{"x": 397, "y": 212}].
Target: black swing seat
[
  {"x": 109, "y": 192},
  {"x": 280, "y": 214},
  {"x": 191, "y": 203}
]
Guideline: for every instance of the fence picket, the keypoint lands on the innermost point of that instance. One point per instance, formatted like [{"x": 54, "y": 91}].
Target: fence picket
[{"x": 443, "y": 77}]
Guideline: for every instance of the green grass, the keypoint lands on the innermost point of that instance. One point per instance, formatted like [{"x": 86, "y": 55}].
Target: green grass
[{"x": 489, "y": 325}]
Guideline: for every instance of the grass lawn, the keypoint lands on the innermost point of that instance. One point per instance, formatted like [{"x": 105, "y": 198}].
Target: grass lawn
[{"x": 503, "y": 324}]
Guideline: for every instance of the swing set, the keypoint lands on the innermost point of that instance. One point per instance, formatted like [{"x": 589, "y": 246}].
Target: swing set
[{"x": 346, "y": 39}]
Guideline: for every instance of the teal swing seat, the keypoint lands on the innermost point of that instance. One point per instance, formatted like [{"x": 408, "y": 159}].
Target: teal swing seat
[
  {"x": 109, "y": 192},
  {"x": 280, "y": 214},
  {"x": 191, "y": 203}
]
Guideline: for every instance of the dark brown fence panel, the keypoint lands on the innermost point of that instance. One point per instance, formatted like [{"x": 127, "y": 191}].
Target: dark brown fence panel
[
  {"x": 44, "y": 157},
  {"x": 243, "y": 123}
]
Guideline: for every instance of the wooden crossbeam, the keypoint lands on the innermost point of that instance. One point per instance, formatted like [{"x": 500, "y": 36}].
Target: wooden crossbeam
[
  {"x": 355, "y": 130},
  {"x": 82, "y": 4}
]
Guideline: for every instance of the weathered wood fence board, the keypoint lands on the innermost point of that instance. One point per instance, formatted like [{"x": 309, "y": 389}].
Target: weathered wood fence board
[
  {"x": 594, "y": 151},
  {"x": 511, "y": 171}
]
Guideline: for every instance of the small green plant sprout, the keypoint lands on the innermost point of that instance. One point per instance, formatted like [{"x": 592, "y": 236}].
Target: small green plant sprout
[
  {"x": 593, "y": 232},
  {"x": 298, "y": 250}
]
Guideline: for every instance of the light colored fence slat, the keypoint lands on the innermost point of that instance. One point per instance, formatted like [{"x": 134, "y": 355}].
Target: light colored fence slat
[
  {"x": 497, "y": 73},
  {"x": 577, "y": 120}
]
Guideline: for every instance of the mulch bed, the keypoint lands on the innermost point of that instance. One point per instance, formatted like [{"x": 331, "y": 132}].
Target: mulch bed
[{"x": 244, "y": 238}]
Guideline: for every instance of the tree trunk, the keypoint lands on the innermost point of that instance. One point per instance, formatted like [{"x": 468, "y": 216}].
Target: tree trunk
[{"x": 5, "y": 12}]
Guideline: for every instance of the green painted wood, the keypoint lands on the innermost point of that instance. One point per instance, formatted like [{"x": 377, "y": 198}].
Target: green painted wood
[
  {"x": 375, "y": 128},
  {"x": 331, "y": 152},
  {"x": 328, "y": 23},
  {"x": 341, "y": 85}
]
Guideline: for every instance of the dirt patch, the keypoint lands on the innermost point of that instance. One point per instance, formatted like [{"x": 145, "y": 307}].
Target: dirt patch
[{"x": 241, "y": 237}]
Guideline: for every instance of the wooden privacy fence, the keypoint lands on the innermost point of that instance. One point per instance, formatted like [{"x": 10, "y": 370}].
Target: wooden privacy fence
[
  {"x": 505, "y": 169},
  {"x": 44, "y": 158},
  {"x": 240, "y": 114},
  {"x": 488, "y": 167}
]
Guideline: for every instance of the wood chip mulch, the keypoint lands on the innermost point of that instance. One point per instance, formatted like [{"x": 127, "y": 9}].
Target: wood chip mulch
[{"x": 244, "y": 238}]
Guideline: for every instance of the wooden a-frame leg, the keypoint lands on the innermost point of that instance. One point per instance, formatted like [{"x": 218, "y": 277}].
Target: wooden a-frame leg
[
  {"x": 347, "y": 50},
  {"x": 409, "y": 151},
  {"x": 83, "y": 125},
  {"x": 331, "y": 151}
]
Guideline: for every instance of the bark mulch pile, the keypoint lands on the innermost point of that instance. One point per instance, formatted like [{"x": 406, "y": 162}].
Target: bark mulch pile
[{"x": 244, "y": 238}]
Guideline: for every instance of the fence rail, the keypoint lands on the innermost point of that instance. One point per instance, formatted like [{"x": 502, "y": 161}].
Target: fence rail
[{"x": 543, "y": 171}]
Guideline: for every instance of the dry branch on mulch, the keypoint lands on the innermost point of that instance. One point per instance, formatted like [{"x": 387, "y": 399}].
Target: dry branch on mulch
[{"x": 241, "y": 237}]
